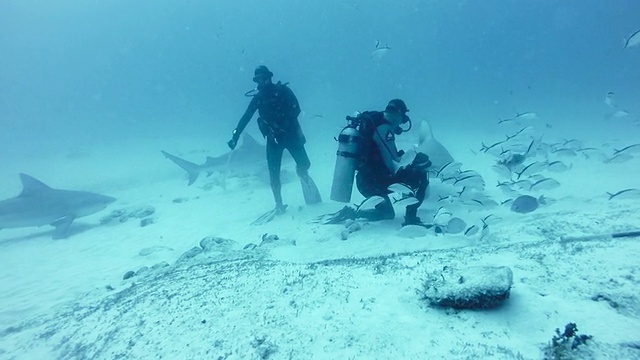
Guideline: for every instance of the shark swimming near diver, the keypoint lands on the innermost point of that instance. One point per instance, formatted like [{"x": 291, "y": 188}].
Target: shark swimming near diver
[
  {"x": 428, "y": 144},
  {"x": 249, "y": 157},
  {"x": 38, "y": 205}
]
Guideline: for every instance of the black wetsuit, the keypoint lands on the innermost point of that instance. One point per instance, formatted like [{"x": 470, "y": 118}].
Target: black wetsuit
[
  {"x": 278, "y": 111},
  {"x": 374, "y": 176}
]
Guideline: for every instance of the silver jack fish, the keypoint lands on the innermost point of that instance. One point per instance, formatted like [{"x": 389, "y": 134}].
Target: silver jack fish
[{"x": 632, "y": 40}]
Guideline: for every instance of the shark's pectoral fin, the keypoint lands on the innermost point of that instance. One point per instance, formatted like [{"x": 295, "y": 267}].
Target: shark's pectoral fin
[{"x": 62, "y": 226}]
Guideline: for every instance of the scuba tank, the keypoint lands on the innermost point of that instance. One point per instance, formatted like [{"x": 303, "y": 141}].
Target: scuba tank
[{"x": 347, "y": 159}]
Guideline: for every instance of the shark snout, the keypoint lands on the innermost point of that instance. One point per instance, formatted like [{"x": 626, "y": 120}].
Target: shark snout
[{"x": 105, "y": 201}]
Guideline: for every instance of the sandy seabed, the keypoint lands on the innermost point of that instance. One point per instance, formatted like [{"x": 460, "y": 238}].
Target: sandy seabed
[{"x": 309, "y": 294}]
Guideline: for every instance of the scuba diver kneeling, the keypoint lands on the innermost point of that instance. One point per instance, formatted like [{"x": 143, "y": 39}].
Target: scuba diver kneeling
[{"x": 367, "y": 149}]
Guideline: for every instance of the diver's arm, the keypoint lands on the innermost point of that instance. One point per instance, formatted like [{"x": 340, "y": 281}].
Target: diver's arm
[
  {"x": 386, "y": 141},
  {"x": 244, "y": 120},
  {"x": 248, "y": 114}
]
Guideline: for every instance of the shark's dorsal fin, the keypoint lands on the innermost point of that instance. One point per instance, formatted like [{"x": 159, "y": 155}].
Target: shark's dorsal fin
[{"x": 31, "y": 185}]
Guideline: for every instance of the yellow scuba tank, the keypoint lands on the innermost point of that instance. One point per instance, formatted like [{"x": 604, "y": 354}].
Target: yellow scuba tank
[{"x": 347, "y": 158}]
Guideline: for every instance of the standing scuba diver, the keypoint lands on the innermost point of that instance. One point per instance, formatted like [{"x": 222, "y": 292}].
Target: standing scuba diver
[{"x": 278, "y": 111}]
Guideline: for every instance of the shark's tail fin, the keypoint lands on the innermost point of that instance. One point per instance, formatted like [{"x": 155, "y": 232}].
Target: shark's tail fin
[{"x": 192, "y": 169}]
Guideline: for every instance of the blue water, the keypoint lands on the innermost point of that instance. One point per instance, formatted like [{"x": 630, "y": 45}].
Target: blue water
[
  {"x": 108, "y": 69},
  {"x": 74, "y": 74}
]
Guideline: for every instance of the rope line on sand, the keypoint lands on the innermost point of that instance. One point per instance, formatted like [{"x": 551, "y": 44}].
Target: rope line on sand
[{"x": 616, "y": 235}]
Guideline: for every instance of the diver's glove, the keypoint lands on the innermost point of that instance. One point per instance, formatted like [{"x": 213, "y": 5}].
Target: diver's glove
[
  {"x": 420, "y": 162},
  {"x": 234, "y": 140}
]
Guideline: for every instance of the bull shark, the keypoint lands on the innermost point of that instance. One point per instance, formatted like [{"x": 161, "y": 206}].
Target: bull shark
[
  {"x": 427, "y": 144},
  {"x": 39, "y": 204},
  {"x": 250, "y": 155}
]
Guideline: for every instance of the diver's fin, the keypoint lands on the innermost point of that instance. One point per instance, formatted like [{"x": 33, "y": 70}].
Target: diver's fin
[
  {"x": 338, "y": 217},
  {"x": 310, "y": 190},
  {"x": 270, "y": 215},
  {"x": 265, "y": 218}
]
